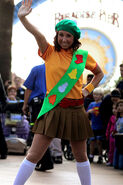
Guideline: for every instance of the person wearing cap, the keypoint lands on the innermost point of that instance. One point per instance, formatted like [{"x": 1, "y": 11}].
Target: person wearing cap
[{"x": 62, "y": 114}]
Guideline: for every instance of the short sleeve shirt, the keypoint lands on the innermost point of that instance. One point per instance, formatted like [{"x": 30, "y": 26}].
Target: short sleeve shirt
[
  {"x": 57, "y": 64},
  {"x": 36, "y": 81}
]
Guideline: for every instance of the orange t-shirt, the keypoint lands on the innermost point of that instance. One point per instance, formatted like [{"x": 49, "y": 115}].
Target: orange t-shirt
[{"x": 57, "y": 63}]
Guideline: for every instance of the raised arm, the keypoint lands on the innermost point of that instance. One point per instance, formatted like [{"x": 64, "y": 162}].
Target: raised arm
[{"x": 25, "y": 10}]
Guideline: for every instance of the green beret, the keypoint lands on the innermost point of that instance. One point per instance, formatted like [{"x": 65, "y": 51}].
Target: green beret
[{"x": 69, "y": 26}]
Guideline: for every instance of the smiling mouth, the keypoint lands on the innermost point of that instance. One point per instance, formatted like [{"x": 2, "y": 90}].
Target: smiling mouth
[{"x": 64, "y": 45}]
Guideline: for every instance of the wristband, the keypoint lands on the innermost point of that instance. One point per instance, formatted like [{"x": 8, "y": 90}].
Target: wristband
[{"x": 90, "y": 87}]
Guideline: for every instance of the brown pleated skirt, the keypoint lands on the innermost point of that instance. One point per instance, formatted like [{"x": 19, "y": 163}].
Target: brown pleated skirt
[{"x": 69, "y": 123}]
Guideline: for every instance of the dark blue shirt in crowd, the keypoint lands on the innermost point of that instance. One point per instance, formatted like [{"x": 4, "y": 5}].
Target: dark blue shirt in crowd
[
  {"x": 96, "y": 120},
  {"x": 36, "y": 82}
]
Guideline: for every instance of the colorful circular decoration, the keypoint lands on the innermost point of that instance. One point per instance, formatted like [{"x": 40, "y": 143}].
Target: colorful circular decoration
[{"x": 101, "y": 49}]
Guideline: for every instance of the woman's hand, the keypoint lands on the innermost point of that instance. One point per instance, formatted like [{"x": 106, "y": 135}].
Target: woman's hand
[
  {"x": 25, "y": 8},
  {"x": 85, "y": 92}
]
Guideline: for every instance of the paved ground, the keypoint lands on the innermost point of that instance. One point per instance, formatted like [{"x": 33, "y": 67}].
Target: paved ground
[{"x": 62, "y": 174}]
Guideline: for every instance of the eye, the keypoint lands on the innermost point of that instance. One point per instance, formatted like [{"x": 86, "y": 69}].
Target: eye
[
  {"x": 61, "y": 34},
  {"x": 69, "y": 35}
]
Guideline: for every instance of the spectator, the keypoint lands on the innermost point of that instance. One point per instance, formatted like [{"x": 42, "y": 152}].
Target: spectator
[
  {"x": 109, "y": 136},
  {"x": 19, "y": 87},
  {"x": 96, "y": 124},
  {"x": 13, "y": 111},
  {"x": 118, "y": 153}
]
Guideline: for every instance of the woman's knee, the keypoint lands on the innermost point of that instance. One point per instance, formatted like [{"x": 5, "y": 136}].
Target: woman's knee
[
  {"x": 33, "y": 157},
  {"x": 38, "y": 148},
  {"x": 80, "y": 157},
  {"x": 79, "y": 151}
]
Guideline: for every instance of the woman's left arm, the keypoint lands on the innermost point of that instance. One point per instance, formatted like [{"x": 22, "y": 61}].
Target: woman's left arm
[{"x": 98, "y": 75}]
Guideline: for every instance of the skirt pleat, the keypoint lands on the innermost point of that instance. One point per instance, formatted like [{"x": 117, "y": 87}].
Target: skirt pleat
[{"x": 66, "y": 123}]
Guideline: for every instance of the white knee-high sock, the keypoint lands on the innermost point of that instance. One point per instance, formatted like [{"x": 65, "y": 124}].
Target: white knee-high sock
[
  {"x": 84, "y": 172},
  {"x": 24, "y": 172}
]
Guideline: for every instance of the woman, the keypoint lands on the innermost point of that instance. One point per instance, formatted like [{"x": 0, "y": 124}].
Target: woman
[{"x": 67, "y": 119}]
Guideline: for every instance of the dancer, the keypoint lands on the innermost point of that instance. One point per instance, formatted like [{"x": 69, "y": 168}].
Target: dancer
[{"x": 62, "y": 114}]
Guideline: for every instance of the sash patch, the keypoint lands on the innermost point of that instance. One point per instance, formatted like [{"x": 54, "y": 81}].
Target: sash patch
[
  {"x": 63, "y": 87},
  {"x": 79, "y": 59},
  {"x": 52, "y": 99},
  {"x": 73, "y": 74}
]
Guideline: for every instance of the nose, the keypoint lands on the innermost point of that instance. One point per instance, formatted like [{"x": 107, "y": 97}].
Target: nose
[{"x": 64, "y": 39}]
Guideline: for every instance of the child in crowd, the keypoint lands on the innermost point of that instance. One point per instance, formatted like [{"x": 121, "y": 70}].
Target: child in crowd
[
  {"x": 14, "y": 116},
  {"x": 109, "y": 136},
  {"x": 118, "y": 153},
  {"x": 20, "y": 89},
  {"x": 97, "y": 125}
]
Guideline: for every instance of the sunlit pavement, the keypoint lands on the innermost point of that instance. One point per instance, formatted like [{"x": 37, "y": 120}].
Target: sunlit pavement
[{"x": 62, "y": 174}]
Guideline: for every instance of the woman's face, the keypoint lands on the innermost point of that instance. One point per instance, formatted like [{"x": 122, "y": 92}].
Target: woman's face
[{"x": 65, "y": 39}]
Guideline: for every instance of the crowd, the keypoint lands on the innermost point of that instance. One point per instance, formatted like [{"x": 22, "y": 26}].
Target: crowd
[
  {"x": 105, "y": 133},
  {"x": 105, "y": 114}
]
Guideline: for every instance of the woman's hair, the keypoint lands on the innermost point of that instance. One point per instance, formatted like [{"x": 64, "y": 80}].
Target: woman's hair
[{"x": 76, "y": 44}]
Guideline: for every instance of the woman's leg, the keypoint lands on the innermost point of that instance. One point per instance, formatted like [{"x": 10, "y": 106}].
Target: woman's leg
[
  {"x": 39, "y": 146},
  {"x": 79, "y": 149}
]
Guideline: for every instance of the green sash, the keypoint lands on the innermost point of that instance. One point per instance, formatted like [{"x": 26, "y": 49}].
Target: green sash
[{"x": 66, "y": 83}]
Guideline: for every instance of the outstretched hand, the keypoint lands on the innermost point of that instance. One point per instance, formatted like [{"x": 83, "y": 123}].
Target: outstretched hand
[{"x": 25, "y": 8}]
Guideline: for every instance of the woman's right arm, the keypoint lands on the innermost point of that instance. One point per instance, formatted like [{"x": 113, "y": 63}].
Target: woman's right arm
[{"x": 25, "y": 10}]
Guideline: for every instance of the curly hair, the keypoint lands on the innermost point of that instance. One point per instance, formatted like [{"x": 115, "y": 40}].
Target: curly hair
[{"x": 76, "y": 44}]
